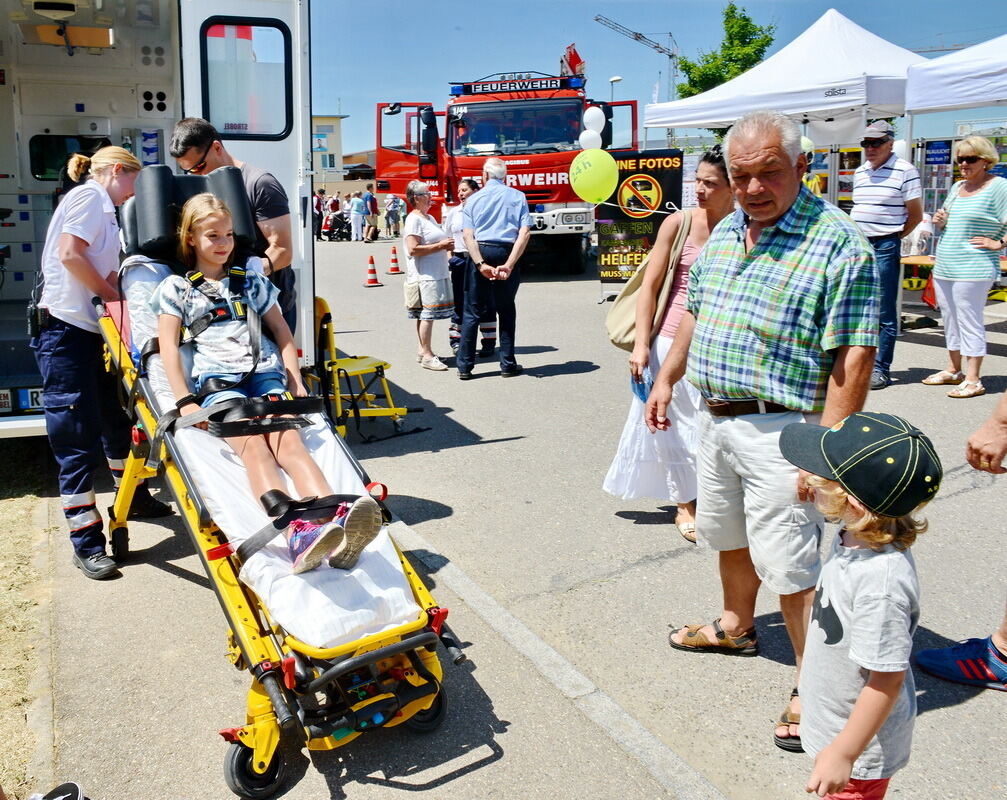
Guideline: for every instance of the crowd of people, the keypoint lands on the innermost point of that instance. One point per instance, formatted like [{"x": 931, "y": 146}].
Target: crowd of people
[
  {"x": 781, "y": 317},
  {"x": 356, "y": 212}
]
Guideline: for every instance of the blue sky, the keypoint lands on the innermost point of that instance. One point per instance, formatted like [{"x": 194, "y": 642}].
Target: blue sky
[{"x": 388, "y": 50}]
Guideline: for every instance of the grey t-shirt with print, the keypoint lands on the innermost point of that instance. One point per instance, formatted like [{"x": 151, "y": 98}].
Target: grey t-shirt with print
[
  {"x": 865, "y": 611},
  {"x": 224, "y": 347}
]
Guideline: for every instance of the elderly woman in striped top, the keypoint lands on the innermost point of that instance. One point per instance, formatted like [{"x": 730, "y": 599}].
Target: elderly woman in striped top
[{"x": 974, "y": 223}]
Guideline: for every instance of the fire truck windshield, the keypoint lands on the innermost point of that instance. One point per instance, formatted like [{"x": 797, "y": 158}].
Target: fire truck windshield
[{"x": 514, "y": 126}]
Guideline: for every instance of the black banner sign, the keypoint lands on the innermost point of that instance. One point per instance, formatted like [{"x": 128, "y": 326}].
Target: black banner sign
[{"x": 649, "y": 188}]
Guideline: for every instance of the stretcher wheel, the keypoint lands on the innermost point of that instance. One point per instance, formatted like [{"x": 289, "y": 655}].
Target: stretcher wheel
[
  {"x": 431, "y": 718},
  {"x": 120, "y": 544},
  {"x": 244, "y": 782}
]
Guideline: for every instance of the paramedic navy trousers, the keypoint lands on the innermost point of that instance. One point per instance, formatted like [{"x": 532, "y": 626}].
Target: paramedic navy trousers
[
  {"x": 82, "y": 417},
  {"x": 483, "y": 293}
]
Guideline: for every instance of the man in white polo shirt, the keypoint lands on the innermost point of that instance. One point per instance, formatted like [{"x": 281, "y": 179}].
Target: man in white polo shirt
[{"x": 887, "y": 207}]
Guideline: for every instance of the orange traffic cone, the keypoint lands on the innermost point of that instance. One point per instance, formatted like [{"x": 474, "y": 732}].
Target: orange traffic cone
[
  {"x": 372, "y": 274},
  {"x": 393, "y": 267}
]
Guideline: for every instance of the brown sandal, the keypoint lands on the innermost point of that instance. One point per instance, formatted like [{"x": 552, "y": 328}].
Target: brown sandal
[
  {"x": 744, "y": 645},
  {"x": 792, "y": 744},
  {"x": 967, "y": 389},
  {"x": 944, "y": 378}
]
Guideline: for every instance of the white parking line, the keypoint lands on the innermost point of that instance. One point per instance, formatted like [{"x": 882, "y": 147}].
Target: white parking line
[{"x": 663, "y": 764}]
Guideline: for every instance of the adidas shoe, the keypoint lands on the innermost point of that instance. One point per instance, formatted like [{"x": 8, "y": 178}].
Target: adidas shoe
[{"x": 976, "y": 662}]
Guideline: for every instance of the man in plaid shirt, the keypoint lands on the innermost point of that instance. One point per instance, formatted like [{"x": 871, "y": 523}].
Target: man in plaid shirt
[{"x": 783, "y": 323}]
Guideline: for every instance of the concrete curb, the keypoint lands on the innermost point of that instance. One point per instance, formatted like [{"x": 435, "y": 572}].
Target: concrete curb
[{"x": 40, "y": 716}]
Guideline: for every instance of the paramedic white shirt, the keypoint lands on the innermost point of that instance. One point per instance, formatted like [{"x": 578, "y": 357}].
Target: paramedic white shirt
[{"x": 86, "y": 212}]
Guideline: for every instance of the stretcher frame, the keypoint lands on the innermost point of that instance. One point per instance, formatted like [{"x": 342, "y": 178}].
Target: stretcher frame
[{"x": 403, "y": 661}]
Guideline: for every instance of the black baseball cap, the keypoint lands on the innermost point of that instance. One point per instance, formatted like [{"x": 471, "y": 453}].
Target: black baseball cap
[{"x": 885, "y": 462}]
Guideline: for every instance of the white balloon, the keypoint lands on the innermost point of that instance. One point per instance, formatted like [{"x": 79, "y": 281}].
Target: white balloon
[
  {"x": 594, "y": 119},
  {"x": 589, "y": 140},
  {"x": 901, "y": 149}
]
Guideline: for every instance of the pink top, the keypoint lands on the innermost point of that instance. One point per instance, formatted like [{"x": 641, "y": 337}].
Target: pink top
[{"x": 679, "y": 287}]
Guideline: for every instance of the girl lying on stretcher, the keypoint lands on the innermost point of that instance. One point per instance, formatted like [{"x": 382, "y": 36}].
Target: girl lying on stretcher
[{"x": 223, "y": 350}]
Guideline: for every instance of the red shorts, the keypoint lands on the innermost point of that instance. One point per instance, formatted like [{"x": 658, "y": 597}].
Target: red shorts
[{"x": 862, "y": 790}]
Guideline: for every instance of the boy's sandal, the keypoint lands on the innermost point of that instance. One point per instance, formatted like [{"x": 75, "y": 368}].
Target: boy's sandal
[
  {"x": 944, "y": 378},
  {"x": 695, "y": 640},
  {"x": 968, "y": 389},
  {"x": 792, "y": 744},
  {"x": 688, "y": 531}
]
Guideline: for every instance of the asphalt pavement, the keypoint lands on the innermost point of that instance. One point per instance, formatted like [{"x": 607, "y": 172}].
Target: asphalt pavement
[{"x": 562, "y": 594}]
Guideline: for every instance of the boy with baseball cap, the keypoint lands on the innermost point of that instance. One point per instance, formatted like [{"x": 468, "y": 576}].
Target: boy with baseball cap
[{"x": 871, "y": 473}]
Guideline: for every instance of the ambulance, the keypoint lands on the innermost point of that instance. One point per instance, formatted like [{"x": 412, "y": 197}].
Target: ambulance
[
  {"x": 76, "y": 75},
  {"x": 530, "y": 120}
]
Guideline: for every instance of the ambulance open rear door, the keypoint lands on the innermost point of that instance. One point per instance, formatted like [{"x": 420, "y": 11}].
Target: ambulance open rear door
[{"x": 246, "y": 69}]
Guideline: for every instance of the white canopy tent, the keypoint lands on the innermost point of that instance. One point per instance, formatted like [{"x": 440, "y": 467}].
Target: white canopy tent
[
  {"x": 835, "y": 75},
  {"x": 975, "y": 76}
]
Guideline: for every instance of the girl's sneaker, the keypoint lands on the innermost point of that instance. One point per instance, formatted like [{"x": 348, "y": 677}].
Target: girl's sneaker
[
  {"x": 311, "y": 542},
  {"x": 360, "y": 521}
]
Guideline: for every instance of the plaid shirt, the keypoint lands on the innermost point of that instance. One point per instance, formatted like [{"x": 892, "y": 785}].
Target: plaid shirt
[{"x": 767, "y": 320}]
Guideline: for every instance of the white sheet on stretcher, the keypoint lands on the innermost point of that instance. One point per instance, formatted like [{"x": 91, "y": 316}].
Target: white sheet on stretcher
[{"x": 324, "y": 607}]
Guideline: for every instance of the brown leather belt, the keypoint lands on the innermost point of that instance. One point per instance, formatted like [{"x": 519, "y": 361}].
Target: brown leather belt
[{"x": 739, "y": 408}]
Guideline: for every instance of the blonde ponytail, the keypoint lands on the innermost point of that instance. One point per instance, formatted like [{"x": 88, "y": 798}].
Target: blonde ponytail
[
  {"x": 103, "y": 159},
  {"x": 77, "y": 167}
]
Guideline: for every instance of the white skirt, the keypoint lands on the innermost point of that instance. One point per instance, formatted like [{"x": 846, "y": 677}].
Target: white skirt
[{"x": 660, "y": 465}]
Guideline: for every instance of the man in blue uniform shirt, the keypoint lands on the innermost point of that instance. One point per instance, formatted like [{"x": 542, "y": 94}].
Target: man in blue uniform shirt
[{"x": 496, "y": 228}]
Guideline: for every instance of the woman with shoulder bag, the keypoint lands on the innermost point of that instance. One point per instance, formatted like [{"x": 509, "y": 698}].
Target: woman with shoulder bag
[{"x": 663, "y": 465}]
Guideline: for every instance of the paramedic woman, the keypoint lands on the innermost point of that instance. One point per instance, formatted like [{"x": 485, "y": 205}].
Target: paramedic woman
[{"x": 82, "y": 411}]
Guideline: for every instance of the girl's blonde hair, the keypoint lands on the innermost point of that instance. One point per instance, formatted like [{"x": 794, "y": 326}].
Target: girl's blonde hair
[
  {"x": 195, "y": 210},
  {"x": 103, "y": 159},
  {"x": 877, "y": 531}
]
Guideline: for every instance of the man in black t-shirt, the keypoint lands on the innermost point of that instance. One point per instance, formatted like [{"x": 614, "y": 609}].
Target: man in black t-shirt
[{"x": 198, "y": 150}]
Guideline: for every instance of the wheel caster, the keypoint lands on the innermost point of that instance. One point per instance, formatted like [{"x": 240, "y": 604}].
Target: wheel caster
[
  {"x": 429, "y": 719},
  {"x": 120, "y": 544},
  {"x": 244, "y": 781}
]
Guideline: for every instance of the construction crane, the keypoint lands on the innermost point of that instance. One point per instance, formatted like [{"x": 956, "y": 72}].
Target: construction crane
[{"x": 660, "y": 48}]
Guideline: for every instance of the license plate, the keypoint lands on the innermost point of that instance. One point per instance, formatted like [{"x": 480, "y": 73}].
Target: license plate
[
  {"x": 5, "y": 401},
  {"x": 30, "y": 399}
]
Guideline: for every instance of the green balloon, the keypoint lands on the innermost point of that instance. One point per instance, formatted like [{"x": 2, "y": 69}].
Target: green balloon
[{"x": 594, "y": 175}]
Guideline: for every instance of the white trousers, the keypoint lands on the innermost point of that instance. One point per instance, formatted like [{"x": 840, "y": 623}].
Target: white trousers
[{"x": 962, "y": 304}]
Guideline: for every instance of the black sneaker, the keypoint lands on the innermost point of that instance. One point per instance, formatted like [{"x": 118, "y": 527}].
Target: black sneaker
[
  {"x": 464, "y": 376},
  {"x": 144, "y": 506},
  {"x": 879, "y": 379},
  {"x": 98, "y": 566},
  {"x": 517, "y": 369}
]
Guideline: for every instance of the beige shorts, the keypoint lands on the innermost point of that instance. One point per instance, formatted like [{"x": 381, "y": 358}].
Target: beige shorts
[
  {"x": 748, "y": 498},
  {"x": 429, "y": 299},
  {"x": 371, "y": 219}
]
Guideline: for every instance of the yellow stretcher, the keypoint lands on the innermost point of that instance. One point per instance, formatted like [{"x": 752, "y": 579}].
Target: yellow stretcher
[{"x": 322, "y": 697}]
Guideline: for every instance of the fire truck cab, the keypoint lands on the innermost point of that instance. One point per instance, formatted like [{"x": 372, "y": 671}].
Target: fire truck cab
[{"x": 531, "y": 121}]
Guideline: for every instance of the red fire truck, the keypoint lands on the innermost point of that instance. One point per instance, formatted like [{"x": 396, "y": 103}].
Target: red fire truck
[{"x": 530, "y": 120}]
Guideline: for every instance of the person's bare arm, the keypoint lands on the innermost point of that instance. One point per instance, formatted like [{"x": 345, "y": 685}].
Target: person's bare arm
[
  {"x": 646, "y": 297},
  {"x": 834, "y": 763},
  {"x": 475, "y": 253},
  {"x": 655, "y": 413},
  {"x": 72, "y": 251},
  {"x": 848, "y": 382},
  {"x": 986, "y": 447},
  {"x": 168, "y": 329},
  {"x": 414, "y": 248},
  {"x": 914, "y": 209},
  {"x": 505, "y": 269},
  {"x": 277, "y": 326},
  {"x": 279, "y": 248}
]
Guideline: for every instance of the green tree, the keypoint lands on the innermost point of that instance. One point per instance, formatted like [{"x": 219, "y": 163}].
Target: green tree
[{"x": 744, "y": 46}]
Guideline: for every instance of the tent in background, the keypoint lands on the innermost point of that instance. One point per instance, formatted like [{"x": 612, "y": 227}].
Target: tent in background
[
  {"x": 835, "y": 75},
  {"x": 975, "y": 76}
]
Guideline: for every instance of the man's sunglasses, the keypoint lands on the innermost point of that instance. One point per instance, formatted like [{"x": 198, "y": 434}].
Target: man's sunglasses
[
  {"x": 872, "y": 143},
  {"x": 967, "y": 159},
  {"x": 198, "y": 168}
]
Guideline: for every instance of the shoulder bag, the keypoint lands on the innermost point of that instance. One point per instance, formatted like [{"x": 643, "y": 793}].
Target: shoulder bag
[{"x": 621, "y": 319}]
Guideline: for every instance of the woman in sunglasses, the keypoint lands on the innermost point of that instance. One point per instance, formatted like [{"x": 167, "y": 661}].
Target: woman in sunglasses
[{"x": 974, "y": 223}]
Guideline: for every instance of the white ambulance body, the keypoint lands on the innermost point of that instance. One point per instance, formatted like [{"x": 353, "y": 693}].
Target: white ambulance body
[{"x": 78, "y": 73}]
